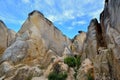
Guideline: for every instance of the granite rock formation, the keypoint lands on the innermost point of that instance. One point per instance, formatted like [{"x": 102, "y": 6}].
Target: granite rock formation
[
  {"x": 7, "y": 36},
  {"x": 36, "y": 45},
  {"x": 102, "y": 43},
  {"x": 33, "y": 52},
  {"x": 77, "y": 43},
  {"x": 36, "y": 37}
]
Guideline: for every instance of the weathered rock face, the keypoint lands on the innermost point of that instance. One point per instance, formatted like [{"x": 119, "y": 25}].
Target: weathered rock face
[
  {"x": 52, "y": 38},
  {"x": 95, "y": 50},
  {"x": 11, "y": 37},
  {"x": 86, "y": 67},
  {"x": 36, "y": 37},
  {"x": 38, "y": 42},
  {"x": 110, "y": 22},
  {"x": 6, "y": 37},
  {"x": 3, "y": 37},
  {"x": 38, "y": 46},
  {"x": 102, "y": 43},
  {"x": 77, "y": 43},
  {"x": 90, "y": 45}
]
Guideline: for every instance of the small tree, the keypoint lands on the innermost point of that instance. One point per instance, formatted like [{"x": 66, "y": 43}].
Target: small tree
[
  {"x": 57, "y": 76},
  {"x": 70, "y": 61},
  {"x": 52, "y": 76},
  {"x": 73, "y": 62},
  {"x": 62, "y": 76}
]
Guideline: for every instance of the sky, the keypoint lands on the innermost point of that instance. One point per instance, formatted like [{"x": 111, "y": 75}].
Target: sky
[{"x": 70, "y": 16}]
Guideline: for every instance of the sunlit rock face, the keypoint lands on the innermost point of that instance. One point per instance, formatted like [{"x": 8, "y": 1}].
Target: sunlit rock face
[
  {"x": 94, "y": 49},
  {"x": 3, "y": 37},
  {"x": 6, "y": 37},
  {"x": 90, "y": 44},
  {"x": 42, "y": 29},
  {"x": 36, "y": 44},
  {"x": 85, "y": 68},
  {"x": 102, "y": 43},
  {"x": 110, "y": 22},
  {"x": 36, "y": 37},
  {"x": 77, "y": 43}
]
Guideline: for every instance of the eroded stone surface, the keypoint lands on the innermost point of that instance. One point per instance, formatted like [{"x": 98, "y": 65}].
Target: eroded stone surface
[
  {"x": 40, "y": 43},
  {"x": 102, "y": 43}
]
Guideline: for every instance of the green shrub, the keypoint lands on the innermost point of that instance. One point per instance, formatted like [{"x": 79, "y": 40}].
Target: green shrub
[
  {"x": 78, "y": 62},
  {"x": 73, "y": 62},
  {"x": 70, "y": 61},
  {"x": 57, "y": 76},
  {"x": 52, "y": 76},
  {"x": 62, "y": 76}
]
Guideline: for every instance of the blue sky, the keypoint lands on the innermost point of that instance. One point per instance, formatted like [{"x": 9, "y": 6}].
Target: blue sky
[{"x": 69, "y": 16}]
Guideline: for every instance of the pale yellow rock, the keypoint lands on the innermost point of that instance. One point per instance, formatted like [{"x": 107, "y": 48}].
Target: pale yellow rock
[
  {"x": 34, "y": 40},
  {"x": 3, "y": 37},
  {"x": 71, "y": 74},
  {"x": 86, "y": 66},
  {"x": 38, "y": 42},
  {"x": 7, "y": 36},
  {"x": 78, "y": 42},
  {"x": 39, "y": 78}
]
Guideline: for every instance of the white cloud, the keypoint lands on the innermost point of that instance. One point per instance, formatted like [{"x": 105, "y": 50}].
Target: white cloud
[
  {"x": 52, "y": 18},
  {"x": 26, "y": 1},
  {"x": 73, "y": 25},
  {"x": 2, "y": 18},
  {"x": 60, "y": 23},
  {"x": 96, "y": 14},
  {"x": 70, "y": 28},
  {"x": 50, "y": 2},
  {"x": 69, "y": 14},
  {"x": 21, "y": 22},
  {"x": 87, "y": 1},
  {"x": 78, "y": 23},
  {"x": 76, "y": 12},
  {"x": 60, "y": 18},
  {"x": 12, "y": 20}
]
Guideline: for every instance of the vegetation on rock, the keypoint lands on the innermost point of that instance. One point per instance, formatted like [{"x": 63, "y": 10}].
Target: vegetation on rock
[
  {"x": 70, "y": 61},
  {"x": 73, "y": 62},
  {"x": 57, "y": 74}
]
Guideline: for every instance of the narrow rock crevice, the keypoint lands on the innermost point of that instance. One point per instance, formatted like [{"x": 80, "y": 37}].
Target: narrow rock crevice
[{"x": 99, "y": 36}]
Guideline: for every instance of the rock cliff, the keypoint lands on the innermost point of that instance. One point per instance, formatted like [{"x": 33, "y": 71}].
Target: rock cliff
[
  {"x": 6, "y": 37},
  {"x": 36, "y": 46},
  {"x": 39, "y": 47},
  {"x": 77, "y": 43},
  {"x": 102, "y": 44},
  {"x": 34, "y": 40}
]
